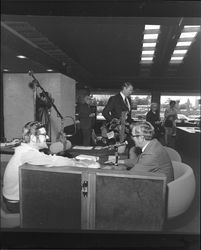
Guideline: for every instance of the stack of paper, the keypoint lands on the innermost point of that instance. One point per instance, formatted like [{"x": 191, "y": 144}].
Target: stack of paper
[{"x": 88, "y": 157}]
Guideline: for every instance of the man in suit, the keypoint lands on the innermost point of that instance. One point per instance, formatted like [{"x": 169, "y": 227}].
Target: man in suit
[
  {"x": 119, "y": 103},
  {"x": 153, "y": 158}
]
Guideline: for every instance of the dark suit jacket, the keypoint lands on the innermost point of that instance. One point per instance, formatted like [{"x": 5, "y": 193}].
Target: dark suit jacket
[
  {"x": 84, "y": 111},
  {"x": 153, "y": 159},
  {"x": 114, "y": 108}
]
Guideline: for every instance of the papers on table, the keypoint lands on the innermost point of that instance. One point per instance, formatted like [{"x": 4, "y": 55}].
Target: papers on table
[
  {"x": 92, "y": 160},
  {"x": 87, "y": 157},
  {"x": 83, "y": 147}
]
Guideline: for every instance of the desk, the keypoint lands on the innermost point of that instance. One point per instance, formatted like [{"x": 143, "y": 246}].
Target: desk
[
  {"x": 188, "y": 141},
  {"x": 60, "y": 198},
  {"x": 102, "y": 154}
]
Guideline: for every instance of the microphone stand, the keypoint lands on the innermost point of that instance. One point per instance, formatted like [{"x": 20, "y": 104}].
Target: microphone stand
[{"x": 37, "y": 84}]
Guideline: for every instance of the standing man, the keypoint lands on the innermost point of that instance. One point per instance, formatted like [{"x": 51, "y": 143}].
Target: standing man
[{"x": 119, "y": 103}]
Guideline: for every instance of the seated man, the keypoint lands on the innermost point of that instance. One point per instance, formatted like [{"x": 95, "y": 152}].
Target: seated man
[
  {"x": 34, "y": 139},
  {"x": 153, "y": 158}
]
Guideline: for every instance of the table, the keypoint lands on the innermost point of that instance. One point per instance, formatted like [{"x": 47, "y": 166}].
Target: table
[
  {"x": 188, "y": 141},
  {"x": 74, "y": 198}
]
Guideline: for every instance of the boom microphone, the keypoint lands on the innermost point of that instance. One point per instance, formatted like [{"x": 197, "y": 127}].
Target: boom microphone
[{"x": 30, "y": 72}]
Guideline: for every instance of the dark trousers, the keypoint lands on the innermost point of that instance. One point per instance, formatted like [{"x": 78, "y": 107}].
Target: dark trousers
[
  {"x": 86, "y": 137},
  {"x": 12, "y": 207}
]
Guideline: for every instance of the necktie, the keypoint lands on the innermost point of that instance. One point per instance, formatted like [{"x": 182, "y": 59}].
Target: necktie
[{"x": 127, "y": 103}]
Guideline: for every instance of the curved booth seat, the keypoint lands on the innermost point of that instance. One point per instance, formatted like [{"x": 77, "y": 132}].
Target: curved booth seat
[
  {"x": 173, "y": 154},
  {"x": 181, "y": 191}
]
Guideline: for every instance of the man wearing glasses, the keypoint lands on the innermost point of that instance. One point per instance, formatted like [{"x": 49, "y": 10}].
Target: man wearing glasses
[
  {"x": 154, "y": 157},
  {"x": 34, "y": 138}
]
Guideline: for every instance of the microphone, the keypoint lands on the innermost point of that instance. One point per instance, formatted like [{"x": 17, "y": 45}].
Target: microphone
[
  {"x": 30, "y": 72},
  {"x": 120, "y": 147},
  {"x": 58, "y": 147}
]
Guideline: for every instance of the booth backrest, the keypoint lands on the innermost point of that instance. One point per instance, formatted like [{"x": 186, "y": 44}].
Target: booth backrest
[
  {"x": 173, "y": 154},
  {"x": 181, "y": 191}
]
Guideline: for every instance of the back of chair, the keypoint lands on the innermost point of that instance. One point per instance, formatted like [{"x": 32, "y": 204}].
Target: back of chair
[
  {"x": 181, "y": 191},
  {"x": 173, "y": 154}
]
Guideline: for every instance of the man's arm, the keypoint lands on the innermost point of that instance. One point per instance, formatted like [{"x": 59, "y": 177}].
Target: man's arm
[
  {"x": 108, "y": 108},
  {"x": 38, "y": 158}
]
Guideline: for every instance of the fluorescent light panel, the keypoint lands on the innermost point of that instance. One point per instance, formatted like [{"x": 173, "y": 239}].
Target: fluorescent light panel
[
  {"x": 188, "y": 34},
  {"x": 180, "y": 44},
  {"x": 149, "y": 45},
  {"x": 152, "y": 27},
  {"x": 177, "y": 58},
  {"x": 151, "y": 33},
  {"x": 176, "y": 61},
  {"x": 146, "y": 58},
  {"x": 182, "y": 51},
  {"x": 147, "y": 52},
  {"x": 150, "y": 36}
]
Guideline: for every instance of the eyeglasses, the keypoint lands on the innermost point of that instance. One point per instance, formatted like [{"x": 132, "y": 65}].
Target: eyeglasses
[
  {"x": 45, "y": 135},
  {"x": 137, "y": 135}
]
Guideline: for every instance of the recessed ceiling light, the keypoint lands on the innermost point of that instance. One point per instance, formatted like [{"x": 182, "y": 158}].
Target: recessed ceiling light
[
  {"x": 5, "y": 70},
  {"x": 49, "y": 70},
  {"x": 21, "y": 56}
]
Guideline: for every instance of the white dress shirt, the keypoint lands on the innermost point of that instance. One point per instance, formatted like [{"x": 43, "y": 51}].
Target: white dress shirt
[{"x": 25, "y": 153}]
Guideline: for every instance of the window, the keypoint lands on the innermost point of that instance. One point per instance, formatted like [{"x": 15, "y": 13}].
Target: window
[{"x": 188, "y": 107}]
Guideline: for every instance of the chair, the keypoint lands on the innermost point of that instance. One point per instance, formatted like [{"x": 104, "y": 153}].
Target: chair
[
  {"x": 8, "y": 220},
  {"x": 181, "y": 191},
  {"x": 173, "y": 154}
]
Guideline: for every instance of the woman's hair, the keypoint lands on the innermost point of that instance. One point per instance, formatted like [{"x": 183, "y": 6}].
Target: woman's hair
[
  {"x": 144, "y": 128},
  {"x": 31, "y": 128},
  {"x": 172, "y": 102}
]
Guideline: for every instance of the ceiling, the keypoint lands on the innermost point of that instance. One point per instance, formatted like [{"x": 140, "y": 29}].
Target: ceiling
[{"x": 100, "y": 51}]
